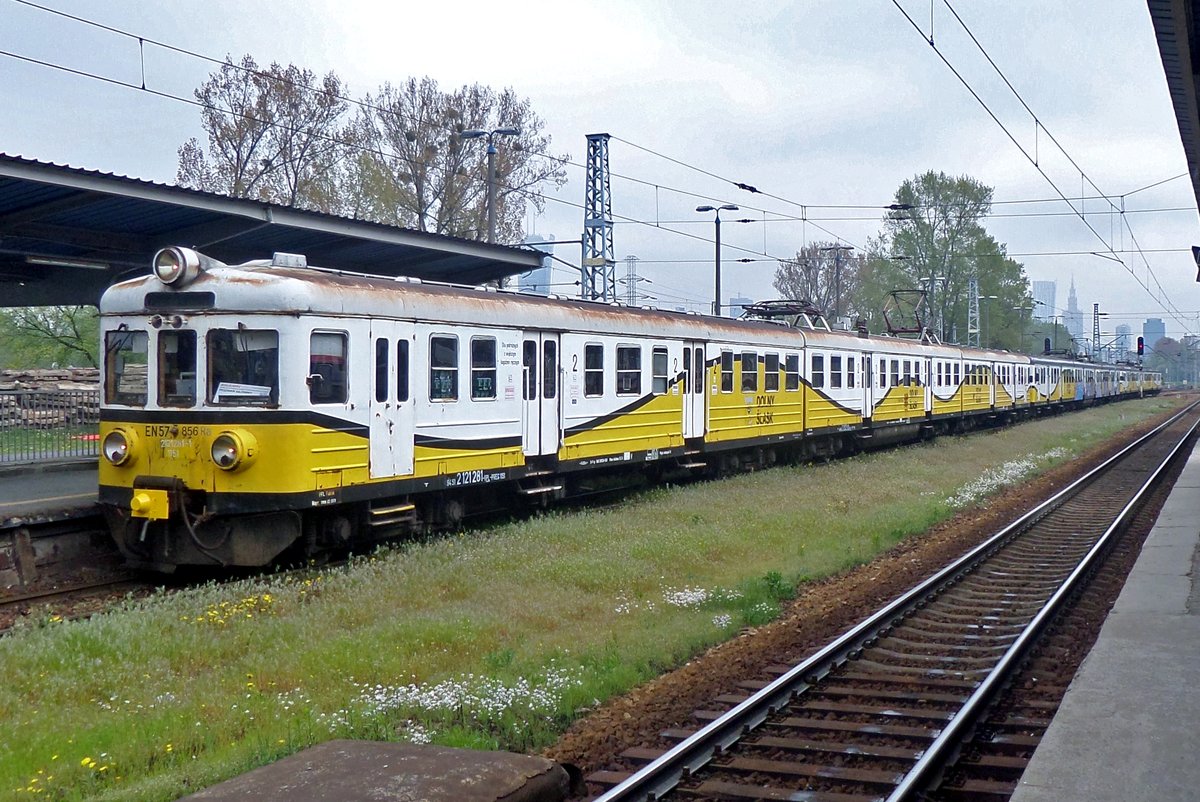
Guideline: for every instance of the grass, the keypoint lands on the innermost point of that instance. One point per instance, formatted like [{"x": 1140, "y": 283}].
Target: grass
[
  {"x": 494, "y": 639},
  {"x": 26, "y": 443}
]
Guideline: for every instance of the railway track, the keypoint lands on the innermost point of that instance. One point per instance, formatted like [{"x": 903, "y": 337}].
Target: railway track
[{"x": 883, "y": 712}]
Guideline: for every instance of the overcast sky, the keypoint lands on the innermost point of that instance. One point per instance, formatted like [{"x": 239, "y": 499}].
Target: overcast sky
[{"x": 822, "y": 103}]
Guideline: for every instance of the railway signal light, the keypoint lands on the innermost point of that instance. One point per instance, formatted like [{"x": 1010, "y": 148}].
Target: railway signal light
[{"x": 1141, "y": 345}]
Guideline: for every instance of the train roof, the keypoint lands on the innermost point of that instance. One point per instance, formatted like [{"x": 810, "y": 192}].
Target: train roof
[{"x": 263, "y": 287}]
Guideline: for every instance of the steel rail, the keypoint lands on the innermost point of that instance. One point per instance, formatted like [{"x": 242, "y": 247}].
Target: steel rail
[
  {"x": 662, "y": 774},
  {"x": 945, "y": 747}
]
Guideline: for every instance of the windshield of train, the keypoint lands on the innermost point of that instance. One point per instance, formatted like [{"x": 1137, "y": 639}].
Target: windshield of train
[
  {"x": 243, "y": 366},
  {"x": 125, "y": 367}
]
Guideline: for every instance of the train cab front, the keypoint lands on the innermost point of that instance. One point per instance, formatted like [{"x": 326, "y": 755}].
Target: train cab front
[{"x": 183, "y": 426}]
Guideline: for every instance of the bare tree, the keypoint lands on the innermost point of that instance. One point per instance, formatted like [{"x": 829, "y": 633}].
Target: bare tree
[
  {"x": 273, "y": 134},
  {"x": 823, "y": 273},
  {"x": 415, "y": 170}
]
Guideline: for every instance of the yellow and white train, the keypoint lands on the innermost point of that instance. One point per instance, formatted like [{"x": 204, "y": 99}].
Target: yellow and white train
[{"x": 253, "y": 409}]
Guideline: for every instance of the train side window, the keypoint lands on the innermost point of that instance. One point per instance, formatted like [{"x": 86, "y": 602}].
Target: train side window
[
  {"x": 658, "y": 369},
  {"x": 749, "y": 372},
  {"x": 882, "y": 373},
  {"x": 698, "y": 371},
  {"x": 851, "y": 371},
  {"x": 687, "y": 370},
  {"x": 629, "y": 370},
  {"x": 939, "y": 374},
  {"x": 381, "y": 369},
  {"x": 727, "y": 371},
  {"x": 529, "y": 369},
  {"x": 593, "y": 370},
  {"x": 125, "y": 367},
  {"x": 771, "y": 373},
  {"x": 818, "y": 370},
  {"x": 957, "y": 374},
  {"x": 483, "y": 368},
  {"x": 401, "y": 370},
  {"x": 177, "y": 368},
  {"x": 327, "y": 351},
  {"x": 243, "y": 366},
  {"x": 895, "y": 372},
  {"x": 791, "y": 372},
  {"x": 443, "y": 368},
  {"x": 835, "y": 372},
  {"x": 549, "y": 369}
]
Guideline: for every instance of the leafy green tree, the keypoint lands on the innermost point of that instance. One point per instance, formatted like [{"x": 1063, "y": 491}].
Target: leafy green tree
[
  {"x": 415, "y": 170},
  {"x": 934, "y": 240},
  {"x": 50, "y": 336},
  {"x": 1169, "y": 356}
]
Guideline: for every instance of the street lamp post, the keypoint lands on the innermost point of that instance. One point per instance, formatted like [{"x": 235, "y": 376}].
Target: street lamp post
[
  {"x": 491, "y": 169},
  {"x": 729, "y": 207},
  {"x": 1022, "y": 310},
  {"x": 837, "y": 277}
]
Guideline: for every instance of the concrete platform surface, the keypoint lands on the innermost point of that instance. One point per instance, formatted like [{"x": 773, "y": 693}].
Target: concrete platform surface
[
  {"x": 370, "y": 771},
  {"x": 52, "y": 491},
  {"x": 1129, "y": 726}
]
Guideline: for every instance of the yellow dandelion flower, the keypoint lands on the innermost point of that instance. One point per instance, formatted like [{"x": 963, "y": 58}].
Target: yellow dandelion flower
[{"x": 85, "y": 761}]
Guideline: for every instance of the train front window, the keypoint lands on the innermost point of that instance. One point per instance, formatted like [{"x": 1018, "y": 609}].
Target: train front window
[
  {"x": 177, "y": 368},
  {"x": 243, "y": 366},
  {"x": 125, "y": 367}
]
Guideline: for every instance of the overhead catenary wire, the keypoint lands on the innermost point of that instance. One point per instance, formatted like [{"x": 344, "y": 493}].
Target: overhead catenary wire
[
  {"x": 1168, "y": 305},
  {"x": 143, "y": 40}
]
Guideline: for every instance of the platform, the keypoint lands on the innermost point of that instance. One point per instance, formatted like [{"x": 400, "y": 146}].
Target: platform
[
  {"x": 371, "y": 771},
  {"x": 1129, "y": 726},
  {"x": 48, "y": 491}
]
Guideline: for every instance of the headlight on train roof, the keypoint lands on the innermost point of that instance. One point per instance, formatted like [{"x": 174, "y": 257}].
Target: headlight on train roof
[
  {"x": 233, "y": 449},
  {"x": 118, "y": 447},
  {"x": 178, "y": 266}
]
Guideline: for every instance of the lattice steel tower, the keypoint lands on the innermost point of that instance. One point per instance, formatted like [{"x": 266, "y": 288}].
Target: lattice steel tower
[
  {"x": 598, "y": 270},
  {"x": 973, "y": 311}
]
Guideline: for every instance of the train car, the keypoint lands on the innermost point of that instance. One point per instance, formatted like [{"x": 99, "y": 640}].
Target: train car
[
  {"x": 256, "y": 408},
  {"x": 272, "y": 408}
]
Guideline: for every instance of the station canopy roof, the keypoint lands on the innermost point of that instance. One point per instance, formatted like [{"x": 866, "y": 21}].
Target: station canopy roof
[
  {"x": 67, "y": 233},
  {"x": 1175, "y": 28}
]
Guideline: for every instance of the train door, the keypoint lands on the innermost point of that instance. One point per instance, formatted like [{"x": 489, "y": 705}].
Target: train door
[
  {"x": 540, "y": 379},
  {"x": 391, "y": 405},
  {"x": 868, "y": 385},
  {"x": 694, "y": 381}
]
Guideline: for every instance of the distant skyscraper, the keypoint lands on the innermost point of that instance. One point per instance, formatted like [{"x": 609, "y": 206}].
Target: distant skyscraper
[
  {"x": 1044, "y": 293},
  {"x": 537, "y": 281},
  {"x": 1153, "y": 330},
  {"x": 1124, "y": 339},
  {"x": 1073, "y": 319},
  {"x": 737, "y": 305}
]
